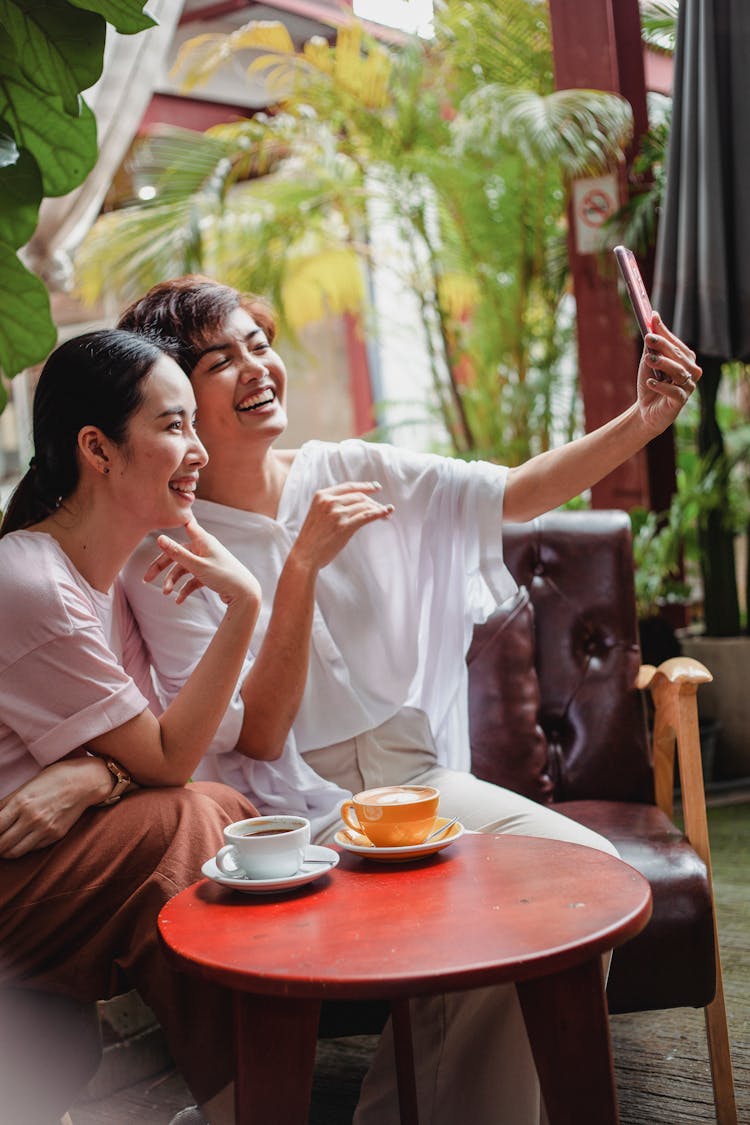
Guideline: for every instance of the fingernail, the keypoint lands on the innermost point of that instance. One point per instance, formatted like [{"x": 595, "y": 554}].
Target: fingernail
[
  {"x": 653, "y": 357},
  {"x": 376, "y": 484},
  {"x": 389, "y": 507}
]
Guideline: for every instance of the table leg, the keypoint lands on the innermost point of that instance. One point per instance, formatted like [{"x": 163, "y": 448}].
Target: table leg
[
  {"x": 568, "y": 1026},
  {"x": 274, "y": 1051},
  {"x": 403, "y": 1048}
]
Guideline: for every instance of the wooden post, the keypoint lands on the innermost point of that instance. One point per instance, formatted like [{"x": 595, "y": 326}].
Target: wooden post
[{"x": 597, "y": 45}]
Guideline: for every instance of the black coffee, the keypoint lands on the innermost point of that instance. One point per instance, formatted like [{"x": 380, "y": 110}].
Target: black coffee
[{"x": 269, "y": 831}]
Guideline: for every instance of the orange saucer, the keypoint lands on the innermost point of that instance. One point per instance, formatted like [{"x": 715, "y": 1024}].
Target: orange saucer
[{"x": 358, "y": 844}]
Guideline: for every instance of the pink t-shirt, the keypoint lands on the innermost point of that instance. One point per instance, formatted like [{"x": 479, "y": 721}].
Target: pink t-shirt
[{"x": 72, "y": 661}]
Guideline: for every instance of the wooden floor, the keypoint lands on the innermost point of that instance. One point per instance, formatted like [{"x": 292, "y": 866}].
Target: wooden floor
[{"x": 660, "y": 1057}]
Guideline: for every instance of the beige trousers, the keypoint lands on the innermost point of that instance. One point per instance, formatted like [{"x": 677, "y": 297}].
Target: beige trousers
[{"x": 472, "y": 1056}]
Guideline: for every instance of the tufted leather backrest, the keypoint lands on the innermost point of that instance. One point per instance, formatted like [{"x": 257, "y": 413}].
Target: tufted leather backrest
[{"x": 574, "y": 644}]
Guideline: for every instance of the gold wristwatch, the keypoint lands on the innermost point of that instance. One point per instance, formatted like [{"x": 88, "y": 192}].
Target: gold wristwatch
[{"x": 122, "y": 781}]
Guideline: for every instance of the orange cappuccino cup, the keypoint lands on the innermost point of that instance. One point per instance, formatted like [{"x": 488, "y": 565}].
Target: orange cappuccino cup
[{"x": 393, "y": 816}]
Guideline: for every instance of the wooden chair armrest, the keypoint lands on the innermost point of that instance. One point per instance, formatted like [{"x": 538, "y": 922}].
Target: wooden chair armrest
[
  {"x": 674, "y": 686},
  {"x": 677, "y": 670}
]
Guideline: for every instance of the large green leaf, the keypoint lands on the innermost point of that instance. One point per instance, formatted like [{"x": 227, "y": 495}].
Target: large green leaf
[
  {"x": 27, "y": 333},
  {"x": 21, "y": 193},
  {"x": 50, "y": 52},
  {"x": 126, "y": 15},
  {"x": 64, "y": 147},
  {"x": 58, "y": 55}
]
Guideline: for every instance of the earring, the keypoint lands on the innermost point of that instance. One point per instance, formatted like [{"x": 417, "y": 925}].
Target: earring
[{"x": 105, "y": 470}]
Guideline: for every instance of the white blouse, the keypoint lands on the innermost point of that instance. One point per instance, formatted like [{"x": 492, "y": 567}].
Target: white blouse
[{"x": 393, "y": 618}]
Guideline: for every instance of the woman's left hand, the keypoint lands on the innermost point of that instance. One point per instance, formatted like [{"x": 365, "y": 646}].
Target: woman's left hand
[
  {"x": 203, "y": 561},
  {"x": 43, "y": 810},
  {"x": 667, "y": 376}
]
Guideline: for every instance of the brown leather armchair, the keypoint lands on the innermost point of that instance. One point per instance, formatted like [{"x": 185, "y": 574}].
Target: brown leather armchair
[{"x": 556, "y": 714}]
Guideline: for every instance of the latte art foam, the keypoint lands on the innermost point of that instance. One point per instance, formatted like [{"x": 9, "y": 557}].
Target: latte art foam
[{"x": 395, "y": 796}]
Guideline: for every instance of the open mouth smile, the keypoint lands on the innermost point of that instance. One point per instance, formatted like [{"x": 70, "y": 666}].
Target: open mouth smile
[
  {"x": 184, "y": 487},
  {"x": 253, "y": 402}
]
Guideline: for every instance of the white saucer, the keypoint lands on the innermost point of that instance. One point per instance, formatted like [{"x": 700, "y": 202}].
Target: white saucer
[
  {"x": 353, "y": 842},
  {"x": 318, "y": 861}
]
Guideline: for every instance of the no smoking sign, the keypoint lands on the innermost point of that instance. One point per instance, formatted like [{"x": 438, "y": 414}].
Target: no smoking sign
[{"x": 595, "y": 200}]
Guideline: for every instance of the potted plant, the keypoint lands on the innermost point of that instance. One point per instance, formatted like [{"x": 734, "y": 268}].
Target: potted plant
[
  {"x": 668, "y": 551},
  {"x": 726, "y": 511}
]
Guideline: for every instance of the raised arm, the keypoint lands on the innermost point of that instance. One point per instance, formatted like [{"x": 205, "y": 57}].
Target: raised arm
[
  {"x": 273, "y": 688},
  {"x": 156, "y": 751},
  {"x": 166, "y": 750},
  {"x": 667, "y": 376}
]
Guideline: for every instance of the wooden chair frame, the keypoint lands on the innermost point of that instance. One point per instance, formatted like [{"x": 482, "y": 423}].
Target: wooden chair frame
[{"x": 674, "y": 691}]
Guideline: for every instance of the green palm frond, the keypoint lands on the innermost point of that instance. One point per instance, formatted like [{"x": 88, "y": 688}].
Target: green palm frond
[
  {"x": 583, "y": 131},
  {"x": 128, "y": 251},
  {"x": 250, "y": 232},
  {"x": 659, "y": 24},
  {"x": 181, "y": 162},
  {"x": 506, "y": 43}
]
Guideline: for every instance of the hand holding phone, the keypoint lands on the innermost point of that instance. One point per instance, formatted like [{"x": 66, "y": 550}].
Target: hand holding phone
[{"x": 636, "y": 289}]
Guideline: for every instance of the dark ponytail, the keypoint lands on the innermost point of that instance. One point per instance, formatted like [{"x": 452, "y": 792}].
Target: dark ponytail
[{"x": 92, "y": 380}]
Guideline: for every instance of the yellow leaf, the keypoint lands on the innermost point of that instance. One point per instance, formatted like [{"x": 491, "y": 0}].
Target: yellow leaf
[
  {"x": 199, "y": 58},
  {"x": 322, "y": 285},
  {"x": 458, "y": 294},
  {"x": 318, "y": 52},
  {"x": 263, "y": 33}
]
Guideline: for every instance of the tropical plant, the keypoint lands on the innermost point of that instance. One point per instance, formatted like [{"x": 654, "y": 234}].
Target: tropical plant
[
  {"x": 462, "y": 144},
  {"x": 49, "y": 53},
  {"x": 669, "y": 545}
]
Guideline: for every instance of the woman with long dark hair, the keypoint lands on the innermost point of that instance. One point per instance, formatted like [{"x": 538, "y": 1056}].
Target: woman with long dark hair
[{"x": 83, "y": 873}]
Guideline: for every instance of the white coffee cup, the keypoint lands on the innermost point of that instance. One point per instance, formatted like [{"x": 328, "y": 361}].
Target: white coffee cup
[{"x": 264, "y": 847}]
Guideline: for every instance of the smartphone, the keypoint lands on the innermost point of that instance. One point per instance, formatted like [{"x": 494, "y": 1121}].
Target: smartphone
[{"x": 636, "y": 289}]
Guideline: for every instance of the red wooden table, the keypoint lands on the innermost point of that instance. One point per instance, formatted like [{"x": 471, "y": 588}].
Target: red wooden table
[{"x": 488, "y": 910}]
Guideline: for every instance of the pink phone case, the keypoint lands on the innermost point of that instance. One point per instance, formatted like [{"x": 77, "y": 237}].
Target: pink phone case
[{"x": 636, "y": 289}]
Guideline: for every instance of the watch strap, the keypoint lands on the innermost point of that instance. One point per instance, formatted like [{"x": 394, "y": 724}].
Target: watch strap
[{"x": 122, "y": 780}]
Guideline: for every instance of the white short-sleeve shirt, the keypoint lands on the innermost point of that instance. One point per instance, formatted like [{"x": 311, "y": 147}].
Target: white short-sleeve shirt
[
  {"x": 72, "y": 662},
  {"x": 393, "y": 617}
]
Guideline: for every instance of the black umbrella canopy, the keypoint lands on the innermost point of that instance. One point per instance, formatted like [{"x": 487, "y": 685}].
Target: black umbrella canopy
[
  {"x": 702, "y": 271},
  {"x": 702, "y": 274}
]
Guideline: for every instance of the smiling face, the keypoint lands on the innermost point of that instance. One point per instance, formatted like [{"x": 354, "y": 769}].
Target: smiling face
[
  {"x": 240, "y": 385},
  {"x": 154, "y": 473}
]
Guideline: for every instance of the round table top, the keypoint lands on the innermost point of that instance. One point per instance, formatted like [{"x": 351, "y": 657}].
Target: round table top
[{"x": 490, "y": 908}]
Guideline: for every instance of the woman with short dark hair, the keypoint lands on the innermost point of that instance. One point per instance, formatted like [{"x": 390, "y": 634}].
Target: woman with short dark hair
[{"x": 356, "y": 675}]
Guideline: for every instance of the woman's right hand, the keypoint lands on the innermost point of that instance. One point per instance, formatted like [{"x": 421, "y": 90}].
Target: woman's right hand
[
  {"x": 336, "y": 514},
  {"x": 208, "y": 563},
  {"x": 41, "y": 811}
]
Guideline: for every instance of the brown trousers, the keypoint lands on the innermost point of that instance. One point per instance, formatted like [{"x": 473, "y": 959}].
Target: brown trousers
[{"x": 79, "y": 918}]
